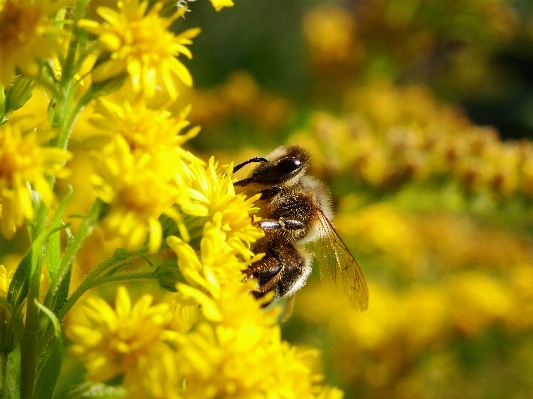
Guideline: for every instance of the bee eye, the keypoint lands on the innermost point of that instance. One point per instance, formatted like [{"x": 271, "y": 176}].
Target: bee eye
[{"x": 288, "y": 165}]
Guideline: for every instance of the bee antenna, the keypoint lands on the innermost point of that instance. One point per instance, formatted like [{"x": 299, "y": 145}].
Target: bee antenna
[{"x": 256, "y": 159}]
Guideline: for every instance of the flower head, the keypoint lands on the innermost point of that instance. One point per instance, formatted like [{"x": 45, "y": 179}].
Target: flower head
[
  {"x": 139, "y": 188},
  {"x": 145, "y": 129},
  {"x": 217, "y": 264},
  {"x": 242, "y": 354},
  {"x": 212, "y": 193},
  {"x": 23, "y": 166},
  {"x": 130, "y": 340},
  {"x": 137, "y": 42},
  {"x": 26, "y": 36}
]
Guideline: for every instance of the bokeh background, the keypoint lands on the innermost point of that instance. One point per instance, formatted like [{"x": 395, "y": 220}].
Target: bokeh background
[{"x": 419, "y": 116}]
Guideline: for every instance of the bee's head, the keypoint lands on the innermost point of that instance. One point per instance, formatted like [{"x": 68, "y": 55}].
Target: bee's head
[{"x": 283, "y": 166}]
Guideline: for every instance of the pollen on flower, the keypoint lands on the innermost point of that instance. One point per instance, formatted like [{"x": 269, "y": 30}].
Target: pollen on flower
[
  {"x": 145, "y": 129},
  {"x": 139, "y": 188},
  {"x": 139, "y": 43},
  {"x": 217, "y": 264},
  {"x": 23, "y": 166},
  {"x": 26, "y": 36},
  {"x": 212, "y": 193},
  {"x": 132, "y": 340},
  {"x": 243, "y": 356}
]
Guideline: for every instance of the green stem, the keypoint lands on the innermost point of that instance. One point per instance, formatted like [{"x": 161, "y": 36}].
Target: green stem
[
  {"x": 30, "y": 336},
  {"x": 68, "y": 68},
  {"x": 66, "y": 114},
  {"x": 86, "y": 227}
]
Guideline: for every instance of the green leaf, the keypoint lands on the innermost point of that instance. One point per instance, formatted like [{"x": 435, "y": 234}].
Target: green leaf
[
  {"x": 18, "y": 289},
  {"x": 100, "y": 391},
  {"x": 62, "y": 293},
  {"x": 12, "y": 382},
  {"x": 53, "y": 253},
  {"x": 49, "y": 368},
  {"x": 17, "y": 320},
  {"x": 168, "y": 274},
  {"x": 53, "y": 245}
]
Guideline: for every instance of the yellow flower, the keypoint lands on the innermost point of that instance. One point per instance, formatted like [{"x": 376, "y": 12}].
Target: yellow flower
[
  {"x": 243, "y": 356},
  {"x": 330, "y": 33},
  {"x": 26, "y": 36},
  {"x": 212, "y": 193},
  {"x": 483, "y": 301},
  {"x": 23, "y": 166},
  {"x": 331, "y": 393},
  {"x": 133, "y": 341},
  {"x": 5, "y": 280},
  {"x": 217, "y": 265},
  {"x": 145, "y": 129},
  {"x": 220, "y": 4},
  {"x": 139, "y": 189},
  {"x": 139, "y": 43}
]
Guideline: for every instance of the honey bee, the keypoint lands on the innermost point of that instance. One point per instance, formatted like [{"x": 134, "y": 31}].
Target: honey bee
[{"x": 296, "y": 210}]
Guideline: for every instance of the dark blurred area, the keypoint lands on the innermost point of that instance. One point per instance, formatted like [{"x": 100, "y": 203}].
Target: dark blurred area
[{"x": 476, "y": 54}]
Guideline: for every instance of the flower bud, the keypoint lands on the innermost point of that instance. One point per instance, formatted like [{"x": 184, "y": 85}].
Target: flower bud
[{"x": 18, "y": 94}]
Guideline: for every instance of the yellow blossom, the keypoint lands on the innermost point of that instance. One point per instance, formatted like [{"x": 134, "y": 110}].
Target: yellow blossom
[
  {"x": 130, "y": 340},
  {"x": 217, "y": 264},
  {"x": 243, "y": 356},
  {"x": 482, "y": 300},
  {"x": 137, "y": 42},
  {"x": 331, "y": 393},
  {"x": 212, "y": 193},
  {"x": 220, "y": 4},
  {"x": 5, "y": 280},
  {"x": 139, "y": 189},
  {"x": 145, "y": 129},
  {"x": 26, "y": 36},
  {"x": 23, "y": 166}
]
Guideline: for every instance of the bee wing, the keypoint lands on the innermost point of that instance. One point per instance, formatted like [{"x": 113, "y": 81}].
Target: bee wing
[{"x": 337, "y": 263}]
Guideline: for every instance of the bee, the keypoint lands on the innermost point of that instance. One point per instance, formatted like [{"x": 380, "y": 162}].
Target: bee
[{"x": 296, "y": 210}]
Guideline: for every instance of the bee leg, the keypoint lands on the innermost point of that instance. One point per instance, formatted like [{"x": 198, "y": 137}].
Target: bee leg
[
  {"x": 256, "y": 159},
  {"x": 243, "y": 182},
  {"x": 289, "y": 308},
  {"x": 286, "y": 224},
  {"x": 283, "y": 270}
]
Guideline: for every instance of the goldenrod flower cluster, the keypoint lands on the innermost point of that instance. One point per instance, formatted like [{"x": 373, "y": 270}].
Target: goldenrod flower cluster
[
  {"x": 239, "y": 98},
  {"x": 395, "y": 136},
  {"x": 172, "y": 219}
]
